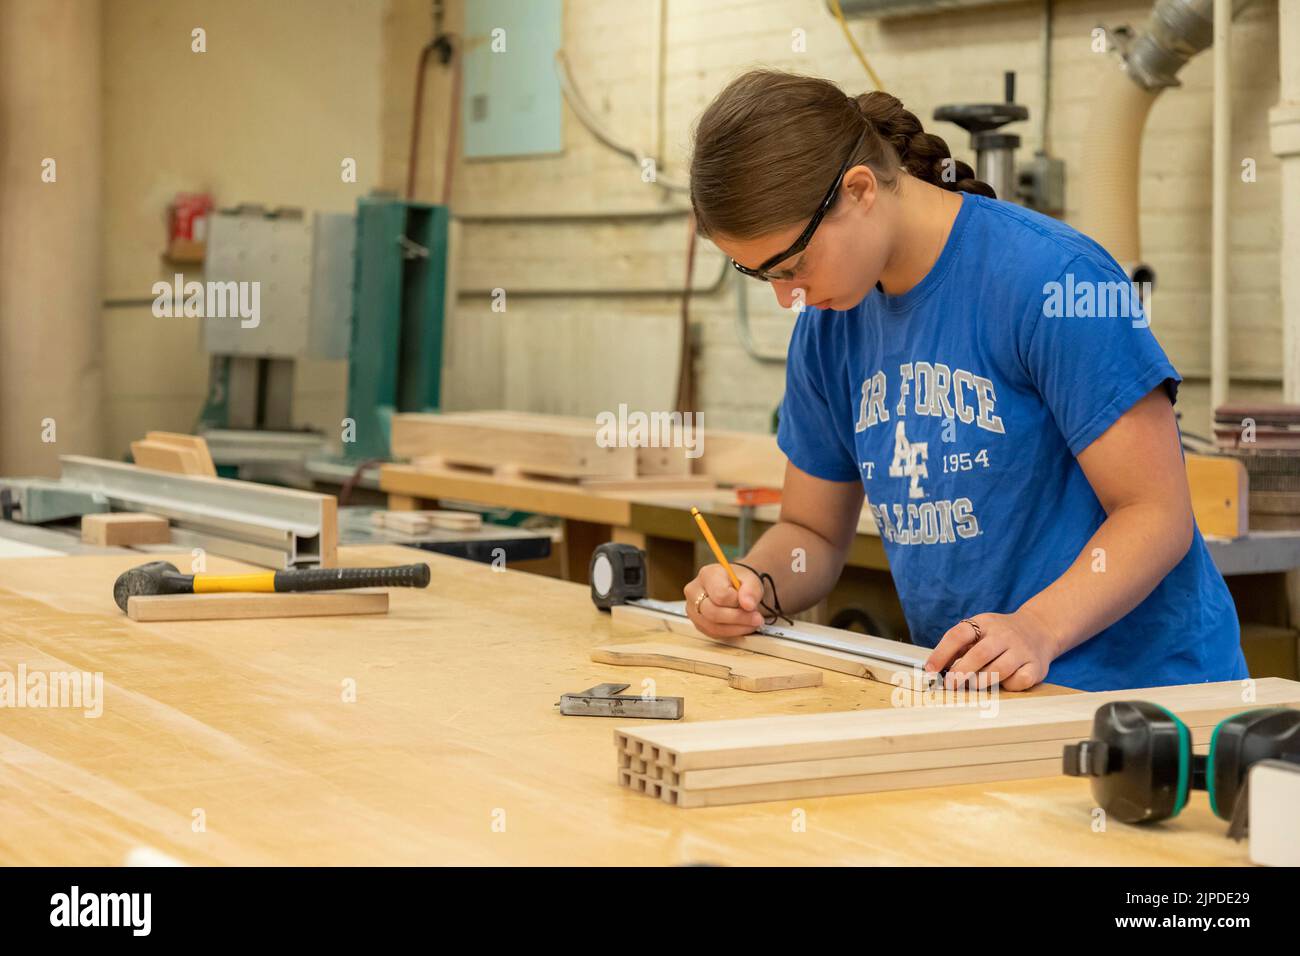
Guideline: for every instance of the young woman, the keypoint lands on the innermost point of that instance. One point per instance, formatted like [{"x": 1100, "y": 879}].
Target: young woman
[{"x": 985, "y": 375}]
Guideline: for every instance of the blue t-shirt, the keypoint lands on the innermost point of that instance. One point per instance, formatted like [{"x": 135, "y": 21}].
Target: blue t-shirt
[{"x": 961, "y": 405}]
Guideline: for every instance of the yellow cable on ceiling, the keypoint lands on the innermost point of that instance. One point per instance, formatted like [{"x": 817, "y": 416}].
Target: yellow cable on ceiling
[{"x": 844, "y": 25}]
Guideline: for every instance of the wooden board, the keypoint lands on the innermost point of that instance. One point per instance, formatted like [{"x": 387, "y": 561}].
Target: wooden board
[
  {"x": 232, "y": 607},
  {"x": 1220, "y": 494},
  {"x": 1005, "y": 719},
  {"x": 161, "y": 456},
  {"x": 556, "y": 449},
  {"x": 521, "y": 494},
  {"x": 451, "y": 749},
  {"x": 194, "y": 443},
  {"x": 742, "y": 458},
  {"x": 742, "y": 670},
  {"x": 845, "y": 663},
  {"x": 652, "y": 483},
  {"x": 124, "y": 528},
  {"x": 329, "y": 529},
  {"x": 837, "y": 786}
]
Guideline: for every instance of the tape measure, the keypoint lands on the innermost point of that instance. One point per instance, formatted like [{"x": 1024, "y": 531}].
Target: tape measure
[{"x": 617, "y": 573}]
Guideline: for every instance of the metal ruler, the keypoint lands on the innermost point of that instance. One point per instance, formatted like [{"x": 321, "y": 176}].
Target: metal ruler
[{"x": 678, "y": 609}]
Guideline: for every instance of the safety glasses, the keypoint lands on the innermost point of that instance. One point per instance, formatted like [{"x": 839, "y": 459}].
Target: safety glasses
[{"x": 764, "y": 271}]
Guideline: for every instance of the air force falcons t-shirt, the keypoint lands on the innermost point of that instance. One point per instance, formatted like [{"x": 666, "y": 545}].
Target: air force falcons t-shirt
[{"x": 961, "y": 405}]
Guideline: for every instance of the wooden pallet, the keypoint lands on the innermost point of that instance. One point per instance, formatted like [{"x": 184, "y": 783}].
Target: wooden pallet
[
  {"x": 531, "y": 444},
  {"x": 554, "y": 450},
  {"x": 780, "y": 758}
]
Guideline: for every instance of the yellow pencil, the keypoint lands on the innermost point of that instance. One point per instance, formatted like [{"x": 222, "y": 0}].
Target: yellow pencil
[{"x": 713, "y": 545}]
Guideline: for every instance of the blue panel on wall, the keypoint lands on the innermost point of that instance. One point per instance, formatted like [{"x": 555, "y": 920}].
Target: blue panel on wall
[{"x": 511, "y": 102}]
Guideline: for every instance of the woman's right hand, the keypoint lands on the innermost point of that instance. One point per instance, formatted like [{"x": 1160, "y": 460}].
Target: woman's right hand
[{"x": 717, "y": 608}]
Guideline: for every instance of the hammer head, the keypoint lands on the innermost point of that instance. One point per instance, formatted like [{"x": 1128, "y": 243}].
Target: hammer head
[{"x": 146, "y": 579}]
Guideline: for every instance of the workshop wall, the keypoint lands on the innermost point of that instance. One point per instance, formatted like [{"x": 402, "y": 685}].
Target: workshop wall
[
  {"x": 284, "y": 92},
  {"x": 579, "y": 353},
  {"x": 50, "y": 141}
]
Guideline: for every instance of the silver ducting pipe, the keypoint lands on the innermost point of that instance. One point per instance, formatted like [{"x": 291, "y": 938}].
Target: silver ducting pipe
[{"x": 1175, "y": 32}]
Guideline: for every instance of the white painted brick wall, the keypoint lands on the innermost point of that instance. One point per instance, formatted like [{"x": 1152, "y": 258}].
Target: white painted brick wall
[{"x": 604, "y": 350}]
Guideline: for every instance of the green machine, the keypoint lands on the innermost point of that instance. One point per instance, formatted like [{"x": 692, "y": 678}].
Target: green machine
[
  {"x": 398, "y": 312},
  {"x": 369, "y": 287}
]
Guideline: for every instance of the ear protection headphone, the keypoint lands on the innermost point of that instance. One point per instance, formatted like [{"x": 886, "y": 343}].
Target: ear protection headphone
[{"x": 1142, "y": 767}]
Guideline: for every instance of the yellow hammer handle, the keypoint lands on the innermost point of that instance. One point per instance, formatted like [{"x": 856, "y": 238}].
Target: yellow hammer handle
[{"x": 225, "y": 583}]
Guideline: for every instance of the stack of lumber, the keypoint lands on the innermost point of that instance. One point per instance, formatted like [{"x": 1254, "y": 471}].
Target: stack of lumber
[
  {"x": 419, "y": 522},
  {"x": 552, "y": 446},
  {"x": 1251, "y": 427},
  {"x": 816, "y": 755},
  {"x": 1265, "y": 440},
  {"x": 566, "y": 447}
]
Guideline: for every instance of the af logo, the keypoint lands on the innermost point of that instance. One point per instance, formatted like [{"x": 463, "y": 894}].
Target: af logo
[{"x": 909, "y": 461}]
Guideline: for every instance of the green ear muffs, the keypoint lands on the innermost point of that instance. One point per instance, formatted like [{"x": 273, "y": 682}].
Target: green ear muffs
[
  {"x": 1141, "y": 762},
  {"x": 1242, "y": 741}
]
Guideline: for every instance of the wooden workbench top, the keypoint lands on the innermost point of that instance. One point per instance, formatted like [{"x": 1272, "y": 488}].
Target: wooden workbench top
[
  {"x": 452, "y": 752},
  {"x": 567, "y": 500}
]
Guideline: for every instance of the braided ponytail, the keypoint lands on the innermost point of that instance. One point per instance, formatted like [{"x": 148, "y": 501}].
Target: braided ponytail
[
  {"x": 751, "y": 169},
  {"x": 924, "y": 155}
]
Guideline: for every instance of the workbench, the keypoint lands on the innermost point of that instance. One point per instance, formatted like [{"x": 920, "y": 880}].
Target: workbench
[
  {"x": 1256, "y": 564},
  {"x": 658, "y": 521},
  {"x": 452, "y": 751}
]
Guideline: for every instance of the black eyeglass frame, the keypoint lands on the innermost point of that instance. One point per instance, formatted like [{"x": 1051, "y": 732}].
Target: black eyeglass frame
[{"x": 805, "y": 237}]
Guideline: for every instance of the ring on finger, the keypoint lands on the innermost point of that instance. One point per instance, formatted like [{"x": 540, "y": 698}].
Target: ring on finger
[{"x": 700, "y": 600}]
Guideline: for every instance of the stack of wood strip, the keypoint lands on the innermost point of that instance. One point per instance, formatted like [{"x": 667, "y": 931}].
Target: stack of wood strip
[
  {"x": 1251, "y": 427},
  {"x": 816, "y": 755},
  {"x": 419, "y": 522},
  {"x": 1265, "y": 439}
]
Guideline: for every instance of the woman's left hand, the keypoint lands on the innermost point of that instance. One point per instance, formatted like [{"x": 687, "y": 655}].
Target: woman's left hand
[{"x": 1015, "y": 650}]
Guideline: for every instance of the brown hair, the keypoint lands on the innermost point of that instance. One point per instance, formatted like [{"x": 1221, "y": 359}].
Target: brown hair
[{"x": 767, "y": 147}]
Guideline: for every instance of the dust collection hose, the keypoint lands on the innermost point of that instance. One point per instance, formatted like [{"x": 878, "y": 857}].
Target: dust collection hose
[
  {"x": 1176, "y": 31},
  {"x": 1109, "y": 176}
]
